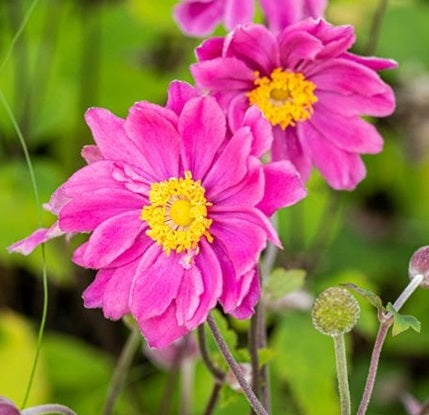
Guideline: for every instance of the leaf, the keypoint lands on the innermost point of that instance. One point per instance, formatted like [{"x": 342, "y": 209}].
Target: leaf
[
  {"x": 403, "y": 322},
  {"x": 282, "y": 282},
  {"x": 374, "y": 299},
  {"x": 265, "y": 355}
]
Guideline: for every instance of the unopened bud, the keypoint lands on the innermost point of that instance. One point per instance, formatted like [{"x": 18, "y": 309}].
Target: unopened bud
[
  {"x": 335, "y": 312},
  {"x": 7, "y": 407},
  {"x": 419, "y": 265}
]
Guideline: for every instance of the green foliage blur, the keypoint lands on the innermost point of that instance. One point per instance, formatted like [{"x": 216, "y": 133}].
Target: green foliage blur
[{"x": 75, "y": 54}]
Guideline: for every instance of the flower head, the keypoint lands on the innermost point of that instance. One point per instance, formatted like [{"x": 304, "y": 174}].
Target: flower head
[
  {"x": 419, "y": 264},
  {"x": 177, "y": 210},
  {"x": 200, "y": 17},
  {"x": 7, "y": 407},
  {"x": 309, "y": 87}
]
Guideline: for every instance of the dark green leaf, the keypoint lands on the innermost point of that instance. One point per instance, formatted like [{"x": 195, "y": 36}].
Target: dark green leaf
[{"x": 403, "y": 322}]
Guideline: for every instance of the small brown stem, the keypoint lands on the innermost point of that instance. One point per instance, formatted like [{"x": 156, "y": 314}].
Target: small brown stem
[
  {"x": 235, "y": 368},
  {"x": 214, "y": 397},
  {"x": 217, "y": 373}
]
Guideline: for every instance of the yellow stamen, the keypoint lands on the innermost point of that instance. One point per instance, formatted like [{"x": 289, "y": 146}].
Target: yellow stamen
[
  {"x": 177, "y": 214},
  {"x": 285, "y": 97}
]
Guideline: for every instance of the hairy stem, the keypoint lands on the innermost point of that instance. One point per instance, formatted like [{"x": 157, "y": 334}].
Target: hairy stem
[
  {"x": 343, "y": 382},
  {"x": 235, "y": 368},
  {"x": 214, "y": 397},
  {"x": 121, "y": 370},
  {"x": 217, "y": 373},
  {"x": 375, "y": 358}
]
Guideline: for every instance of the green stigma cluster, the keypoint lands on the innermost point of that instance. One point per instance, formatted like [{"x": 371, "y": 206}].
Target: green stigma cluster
[{"x": 335, "y": 312}]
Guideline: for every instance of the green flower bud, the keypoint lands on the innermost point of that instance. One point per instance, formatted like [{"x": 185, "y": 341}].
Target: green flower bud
[{"x": 335, "y": 312}]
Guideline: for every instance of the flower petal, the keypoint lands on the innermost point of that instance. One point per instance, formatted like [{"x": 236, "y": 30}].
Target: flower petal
[
  {"x": 156, "y": 286},
  {"x": 283, "y": 187},
  {"x": 202, "y": 126},
  {"x": 179, "y": 93},
  {"x": 198, "y": 18},
  {"x": 250, "y": 294},
  {"x": 210, "y": 49},
  {"x": 261, "y": 130},
  {"x": 109, "y": 240},
  {"x": 155, "y": 137},
  {"x": 342, "y": 170},
  {"x": 238, "y": 12},
  {"x": 255, "y": 45}
]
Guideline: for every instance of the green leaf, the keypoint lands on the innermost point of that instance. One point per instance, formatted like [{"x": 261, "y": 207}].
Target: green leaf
[
  {"x": 374, "y": 299},
  {"x": 403, "y": 322},
  {"x": 282, "y": 282},
  {"x": 265, "y": 356}
]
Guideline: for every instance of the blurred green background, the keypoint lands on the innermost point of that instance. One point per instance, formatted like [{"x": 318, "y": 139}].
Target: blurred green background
[{"x": 75, "y": 54}]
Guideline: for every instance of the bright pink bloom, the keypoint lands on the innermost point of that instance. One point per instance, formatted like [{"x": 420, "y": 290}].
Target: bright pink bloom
[
  {"x": 177, "y": 210},
  {"x": 200, "y": 17},
  {"x": 310, "y": 88}
]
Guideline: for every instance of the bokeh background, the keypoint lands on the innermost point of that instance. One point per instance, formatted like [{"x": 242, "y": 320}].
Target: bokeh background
[{"x": 75, "y": 54}]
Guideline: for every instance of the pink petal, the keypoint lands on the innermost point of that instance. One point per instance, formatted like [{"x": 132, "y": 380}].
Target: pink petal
[
  {"x": 223, "y": 74},
  {"x": 161, "y": 331},
  {"x": 351, "y": 134},
  {"x": 111, "y": 139},
  {"x": 255, "y": 45},
  {"x": 210, "y": 49},
  {"x": 238, "y": 12},
  {"x": 230, "y": 167},
  {"x": 236, "y": 110},
  {"x": 109, "y": 240},
  {"x": 93, "y": 295},
  {"x": 296, "y": 46},
  {"x": 199, "y": 18},
  {"x": 91, "y": 154},
  {"x": 261, "y": 130},
  {"x": 288, "y": 146},
  {"x": 249, "y": 191},
  {"x": 156, "y": 138},
  {"x": 85, "y": 213},
  {"x": 346, "y": 77},
  {"x": 40, "y": 236},
  {"x": 202, "y": 126},
  {"x": 179, "y": 93},
  {"x": 342, "y": 170},
  {"x": 249, "y": 296},
  {"x": 156, "y": 286},
  {"x": 376, "y": 64},
  {"x": 242, "y": 238},
  {"x": 379, "y": 105},
  {"x": 188, "y": 296},
  {"x": 117, "y": 291},
  {"x": 283, "y": 187},
  {"x": 208, "y": 264}
]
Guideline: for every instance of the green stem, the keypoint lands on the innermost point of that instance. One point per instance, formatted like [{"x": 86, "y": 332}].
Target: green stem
[
  {"x": 39, "y": 215},
  {"x": 121, "y": 370},
  {"x": 343, "y": 382},
  {"x": 376, "y": 27}
]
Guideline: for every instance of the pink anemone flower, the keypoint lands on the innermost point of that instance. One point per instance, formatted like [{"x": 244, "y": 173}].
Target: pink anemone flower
[
  {"x": 200, "y": 17},
  {"x": 177, "y": 210},
  {"x": 308, "y": 86}
]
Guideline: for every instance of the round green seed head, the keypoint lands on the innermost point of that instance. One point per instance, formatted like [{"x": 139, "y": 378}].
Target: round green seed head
[{"x": 335, "y": 312}]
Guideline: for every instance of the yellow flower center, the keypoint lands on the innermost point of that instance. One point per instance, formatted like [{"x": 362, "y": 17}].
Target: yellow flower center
[
  {"x": 285, "y": 97},
  {"x": 177, "y": 214}
]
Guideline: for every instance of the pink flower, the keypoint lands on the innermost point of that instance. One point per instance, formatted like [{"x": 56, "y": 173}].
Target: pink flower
[
  {"x": 200, "y": 17},
  {"x": 309, "y": 87},
  {"x": 176, "y": 207}
]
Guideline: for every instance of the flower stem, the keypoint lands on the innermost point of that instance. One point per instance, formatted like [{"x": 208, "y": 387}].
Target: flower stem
[
  {"x": 217, "y": 373},
  {"x": 214, "y": 397},
  {"x": 235, "y": 368},
  {"x": 48, "y": 409},
  {"x": 121, "y": 370},
  {"x": 343, "y": 382},
  {"x": 406, "y": 294}
]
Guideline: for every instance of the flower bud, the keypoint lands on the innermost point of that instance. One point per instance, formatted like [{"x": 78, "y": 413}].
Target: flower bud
[
  {"x": 7, "y": 407},
  {"x": 335, "y": 312},
  {"x": 419, "y": 264}
]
